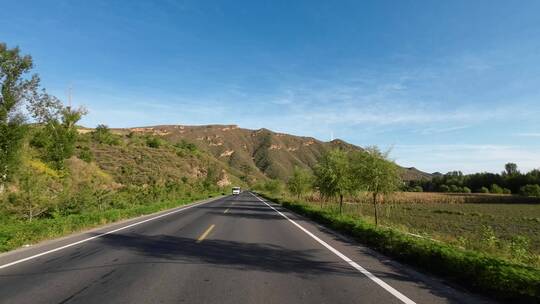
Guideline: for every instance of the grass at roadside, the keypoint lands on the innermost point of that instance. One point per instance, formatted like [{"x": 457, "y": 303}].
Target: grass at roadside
[
  {"x": 478, "y": 271},
  {"x": 507, "y": 227},
  {"x": 14, "y": 233}
]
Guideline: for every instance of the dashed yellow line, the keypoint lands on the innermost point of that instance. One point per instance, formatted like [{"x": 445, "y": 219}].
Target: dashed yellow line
[
  {"x": 205, "y": 234},
  {"x": 226, "y": 210}
]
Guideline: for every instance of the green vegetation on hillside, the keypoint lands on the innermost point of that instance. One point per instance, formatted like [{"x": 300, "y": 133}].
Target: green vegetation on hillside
[{"x": 56, "y": 177}]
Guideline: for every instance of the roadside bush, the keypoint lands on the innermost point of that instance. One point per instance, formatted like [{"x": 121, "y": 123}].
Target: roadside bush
[
  {"x": 273, "y": 186},
  {"x": 507, "y": 191},
  {"x": 530, "y": 190},
  {"x": 483, "y": 190},
  {"x": 495, "y": 189},
  {"x": 466, "y": 190},
  {"x": 34, "y": 198},
  {"x": 444, "y": 188}
]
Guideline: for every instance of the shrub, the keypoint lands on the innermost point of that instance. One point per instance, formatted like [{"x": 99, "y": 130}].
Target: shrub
[
  {"x": 454, "y": 189},
  {"x": 483, "y": 190},
  {"x": 102, "y": 134},
  {"x": 153, "y": 142},
  {"x": 495, "y": 189},
  {"x": 466, "y": 190},
  {"x": 184, "y": 145},
  {"x": 417, "y": 189},
  {"x": 444, "y": 188},
  {"x": 86, "y": 154},
  {"x": 300, "y": 182},
  {"x": 507, "y": 191},
  {"x": 273, "y": 186},
  {"x": 530, "y": 190}
]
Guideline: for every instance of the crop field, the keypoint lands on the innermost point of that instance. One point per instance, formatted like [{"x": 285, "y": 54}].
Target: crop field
[{"x": 501, "y": 225}]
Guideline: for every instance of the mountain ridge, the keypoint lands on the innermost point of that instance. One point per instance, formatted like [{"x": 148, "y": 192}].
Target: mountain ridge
[{"x": 257, "y": 153}]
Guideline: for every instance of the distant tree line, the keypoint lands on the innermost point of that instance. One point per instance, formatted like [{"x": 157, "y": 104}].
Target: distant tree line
[{"x": 509, "y": 181}]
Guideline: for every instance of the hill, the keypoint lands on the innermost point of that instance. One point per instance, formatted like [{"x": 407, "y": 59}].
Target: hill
[{"x": 254, "y": 154}]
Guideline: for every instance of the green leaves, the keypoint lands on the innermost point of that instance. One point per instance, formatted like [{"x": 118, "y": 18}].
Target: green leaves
[
  {"x": 300, "y": 182},
  {"x": 13, "y": 89},
  {"x": 333, "y": 174},
  {"x": 374, "y": 172}
]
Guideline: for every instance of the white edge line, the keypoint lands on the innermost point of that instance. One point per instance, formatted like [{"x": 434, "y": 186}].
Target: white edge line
[
  {"x": 103, "y": 234},
  {"x": 361, "y": 269}
]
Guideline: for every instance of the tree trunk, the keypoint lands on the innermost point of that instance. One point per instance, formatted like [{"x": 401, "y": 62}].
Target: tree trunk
[
  {"x": 375, "y": 206},
  {"x": 3, "y": 181},
  {"x": 340, "y": 203}
]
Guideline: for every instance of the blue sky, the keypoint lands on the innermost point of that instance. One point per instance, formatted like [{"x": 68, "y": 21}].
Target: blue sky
[{"x": 448, "y": 85}]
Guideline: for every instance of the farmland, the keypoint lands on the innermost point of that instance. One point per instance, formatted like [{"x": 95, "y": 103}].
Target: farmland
[{"x": 501, "y": 225}]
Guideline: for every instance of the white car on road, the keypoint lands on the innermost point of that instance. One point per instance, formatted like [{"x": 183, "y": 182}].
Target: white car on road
[{"x": 236, "y": 190}]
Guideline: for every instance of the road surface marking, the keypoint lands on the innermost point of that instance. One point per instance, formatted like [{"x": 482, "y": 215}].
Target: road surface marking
[
  {"x": 226, "y": 210},
  {"x": 364, "y": 271},
  {"x": 205, "y": 234},
  {"x": 102, "y": 234}
]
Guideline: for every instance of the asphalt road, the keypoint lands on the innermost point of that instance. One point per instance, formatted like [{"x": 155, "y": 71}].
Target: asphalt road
[{"x": 235, "y": 249}]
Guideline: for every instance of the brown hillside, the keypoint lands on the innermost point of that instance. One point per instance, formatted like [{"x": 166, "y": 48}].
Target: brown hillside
[{"x": 256, "y": 153}]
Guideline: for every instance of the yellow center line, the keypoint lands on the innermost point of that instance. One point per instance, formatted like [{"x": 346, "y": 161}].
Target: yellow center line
[
  {"x": 226, "y": 210},
  {"x": 205, "y": 234}
]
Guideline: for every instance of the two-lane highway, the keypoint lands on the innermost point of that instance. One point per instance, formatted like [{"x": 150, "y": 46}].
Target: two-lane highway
[{"x": 236, "y": 249}]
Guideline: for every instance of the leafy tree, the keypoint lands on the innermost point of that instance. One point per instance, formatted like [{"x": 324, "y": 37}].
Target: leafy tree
[
  {"x": 511, "y": 169},
  {"x": 14, "y": 89},
  {"x": 507, "y": 191},
  {"x": 102, "y": 134},
  {"x": 375, "y": 172},
  {"x": 333, "y": 176},
  {"x": 530, "y": 190},
  {"x": 466, "y": 190},
  {"x": 34, "y": 196},
  {"x": 300, "y": 182},
  {"x": 60, "y": 134}
]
